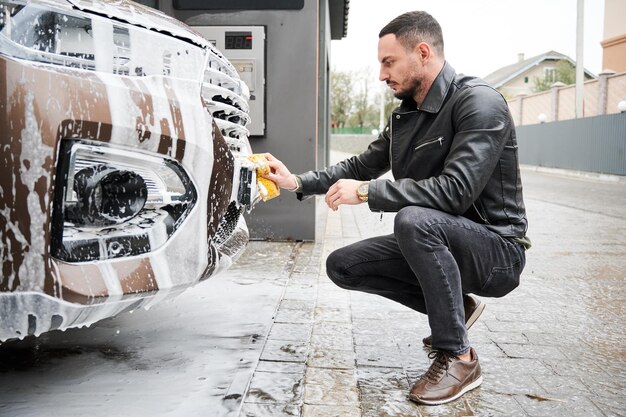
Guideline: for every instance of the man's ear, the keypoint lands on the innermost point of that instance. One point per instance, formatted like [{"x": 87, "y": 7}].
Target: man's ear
[{"x": 423, "y": 51}]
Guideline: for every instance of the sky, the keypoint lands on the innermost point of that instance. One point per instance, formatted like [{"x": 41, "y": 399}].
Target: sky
[{"x": 480, "y": 36}]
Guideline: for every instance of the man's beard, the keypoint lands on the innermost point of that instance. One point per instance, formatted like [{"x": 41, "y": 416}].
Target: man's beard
[{"x": 412, "y": 90}]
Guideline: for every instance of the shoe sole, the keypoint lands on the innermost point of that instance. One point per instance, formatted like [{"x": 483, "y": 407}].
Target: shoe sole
[
  {"x": 471, "y": 320},
  {"x": 469, "y": 387},
  {"x": 475, "y": 315}
]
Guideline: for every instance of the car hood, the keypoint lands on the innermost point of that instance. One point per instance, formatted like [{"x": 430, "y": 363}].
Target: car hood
[{"x": 139, "y": 15}]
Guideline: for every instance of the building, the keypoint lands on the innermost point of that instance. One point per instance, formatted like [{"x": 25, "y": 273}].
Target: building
[
  {"x": 518, "y": 78},
  {"x": 614, "y": 43},
  {"x": 287, "y": 66}
]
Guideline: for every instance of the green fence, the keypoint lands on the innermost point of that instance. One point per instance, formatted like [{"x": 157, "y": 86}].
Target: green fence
[{"x": 353, "y": 130}]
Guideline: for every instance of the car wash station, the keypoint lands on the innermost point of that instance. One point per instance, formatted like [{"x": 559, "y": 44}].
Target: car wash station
[
  {"x": 281, "y": 49},
  {"x": 129, "y": 287}
]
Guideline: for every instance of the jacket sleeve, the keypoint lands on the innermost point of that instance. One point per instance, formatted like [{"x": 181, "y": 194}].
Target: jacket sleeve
[
  {"x": 483, "y": 125},
  {"x": 370, "y": 164}
]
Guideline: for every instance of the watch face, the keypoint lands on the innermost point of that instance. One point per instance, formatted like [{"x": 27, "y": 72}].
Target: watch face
[{"x": 362, "y": 191}]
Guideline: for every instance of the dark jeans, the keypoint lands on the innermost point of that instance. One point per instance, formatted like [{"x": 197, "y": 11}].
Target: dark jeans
[{"x": 427, "y": 264}]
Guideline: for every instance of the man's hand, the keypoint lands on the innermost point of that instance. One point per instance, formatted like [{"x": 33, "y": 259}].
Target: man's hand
[
  {"x": 279, "y": 173},
  {"x": 343, "y": 192}
]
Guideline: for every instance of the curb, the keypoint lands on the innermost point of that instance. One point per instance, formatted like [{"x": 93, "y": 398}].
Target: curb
[{"x": 596, "y": 176}]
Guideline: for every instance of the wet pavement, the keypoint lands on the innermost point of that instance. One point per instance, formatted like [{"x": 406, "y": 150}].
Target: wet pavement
[{"x": 274, "y": 337}]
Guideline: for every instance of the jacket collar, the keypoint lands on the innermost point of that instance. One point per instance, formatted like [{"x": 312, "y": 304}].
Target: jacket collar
[{"x": 437, "y": 93}]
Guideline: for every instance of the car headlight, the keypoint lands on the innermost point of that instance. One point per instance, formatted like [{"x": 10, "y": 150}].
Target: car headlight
[
  {"x": 113, "y": 202},
  {"x": 68, "y": 37}
]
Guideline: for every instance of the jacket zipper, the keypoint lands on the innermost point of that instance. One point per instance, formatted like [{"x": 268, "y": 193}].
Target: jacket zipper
[
  {"x": 390, "y": 142},
  {"x": 430, "y": 142},
  {"x": 480, "y": 214},
  {"x": 390, "y": 156}
]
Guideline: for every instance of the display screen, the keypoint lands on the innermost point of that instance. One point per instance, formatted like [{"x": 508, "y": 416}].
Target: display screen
[
  {"x": 238, "y": 40},
  {"x": 238, "y": 4}
]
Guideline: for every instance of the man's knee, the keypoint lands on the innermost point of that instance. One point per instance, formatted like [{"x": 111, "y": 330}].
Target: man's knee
[
  {"x": 411, "y": 219},
  {"x": 419, "y": 227},
  {"x": 336, "y": 269}
]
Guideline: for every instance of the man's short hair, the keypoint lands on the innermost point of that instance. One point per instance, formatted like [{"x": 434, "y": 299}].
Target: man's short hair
[{"x": 412, "y": 28}]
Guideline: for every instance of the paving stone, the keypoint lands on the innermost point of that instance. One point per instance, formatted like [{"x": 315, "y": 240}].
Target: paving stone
[
  {"x": 332, "y": 314},
  {"x": 301, "y": 292},
  {"x": 331, "y": 395},
  {"x": 302, "y": 278},
  {"x": 457, "y": 408},
  {"x": 557, "y": 407},
  {"x": 314, "y": 410},
  {"x": 308, "y": 269},
  {"x": 522, "y": 316},
  {"x": 270, "y": 388},
  {"x": 391, "y": 403},
  {"x": 368, "y": 326},
  {"x": 285, "y": 315},
  {"x": 285, "y": 351},
  {"x": 290, "y": 331},
  {"x": 323, "y": 327},
  {"x": 366, "y": 313},
  {"x": 513, "y": 350},
  {"x": 364, "y": 339},
  {"x": 301, "y": 305},
  {"x": 562, "y": 386},
  {"x": 330, "y": 377},
  {"x": 483, "y": 402},
  {"x": 328, "y": 290},
  {"x": 378, "y": 381},
  {"x": 386, "y": 357},
  {"x": 487, "y": 351},
  {"x": 506, "y": 337},
  {"x": 269, "y": 410},
  {"x": 508, "y": 376},
  {"x": 551, "y": 338},
  {"x": 614, "y": 365},
  {"x": 492, "y": 364},
  {"x": 606, "y": 386},
  {"x": 573, "y": 368},
  {"x": 503, "y": 326},
  {"x": 611, "y": 406},
  {"x": 339, "y": 341},
  {"x": 333, "y": 302},
  {"x": 281, "y": 367},
  {"x": 331, "y": 358}
]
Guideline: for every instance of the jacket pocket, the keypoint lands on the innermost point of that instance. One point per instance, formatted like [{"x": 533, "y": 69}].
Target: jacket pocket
[{"x": 428, "y": 142}]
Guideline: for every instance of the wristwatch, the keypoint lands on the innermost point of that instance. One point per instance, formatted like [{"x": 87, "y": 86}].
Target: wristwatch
[{"x": 363, "y": 191}]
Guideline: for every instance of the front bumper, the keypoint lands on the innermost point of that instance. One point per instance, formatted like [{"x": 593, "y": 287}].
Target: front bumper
[{"x": 43, "y": 106}]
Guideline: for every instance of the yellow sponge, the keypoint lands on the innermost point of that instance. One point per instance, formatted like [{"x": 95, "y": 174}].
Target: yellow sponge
[{"x": 267, "y": 188}]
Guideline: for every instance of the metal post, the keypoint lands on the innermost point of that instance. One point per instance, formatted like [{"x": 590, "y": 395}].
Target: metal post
[
  {"x": 520, "y": 109},
  {"x": 381, "y": 120},
  {"x": 580, "y": 68}
]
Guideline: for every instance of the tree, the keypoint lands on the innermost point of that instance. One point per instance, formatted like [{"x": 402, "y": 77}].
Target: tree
[
  {"x": 564, "y": 72},
  {"x": 355, "y": 101},
  {"x": 364, "y": 111},
  {"x": 391, "y": 102},
  {"x": 341, "y": 97}
]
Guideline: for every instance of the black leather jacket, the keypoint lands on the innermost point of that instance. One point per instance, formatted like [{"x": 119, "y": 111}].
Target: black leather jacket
[{"x": 456, "y": 153}]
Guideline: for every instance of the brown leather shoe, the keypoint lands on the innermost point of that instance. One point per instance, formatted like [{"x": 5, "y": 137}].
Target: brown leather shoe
[
  {"x": 473, "y": 309},
  {"x": 447, "y": 379}
]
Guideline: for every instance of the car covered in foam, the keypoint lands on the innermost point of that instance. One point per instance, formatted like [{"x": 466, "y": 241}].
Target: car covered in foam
[{"x": 123, "y": 161}]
